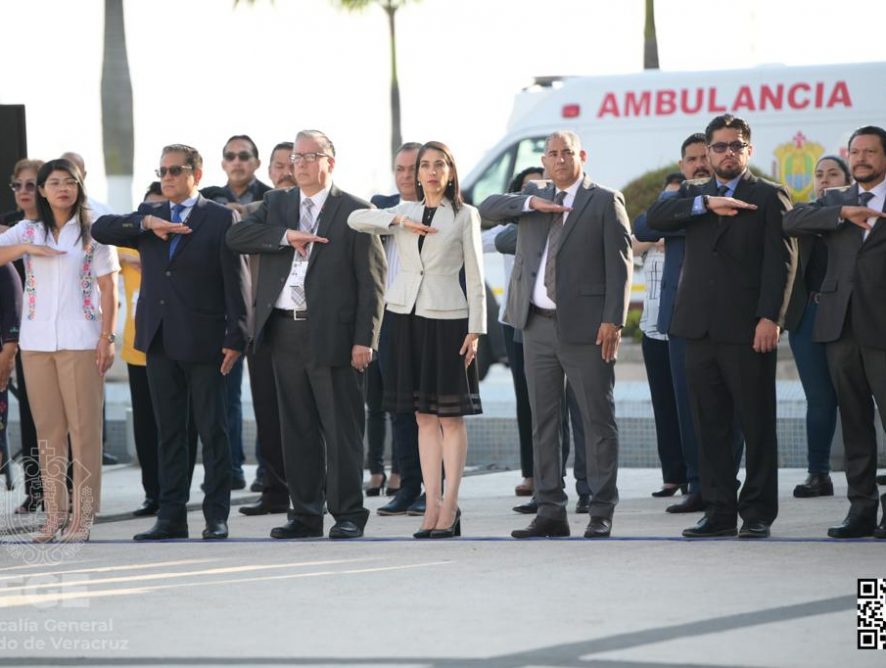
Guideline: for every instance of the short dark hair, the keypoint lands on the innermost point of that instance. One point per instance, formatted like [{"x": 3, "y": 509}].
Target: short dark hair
[
  {"x": 516, "y": 184},
  {"x": 153, "y": 189},
  {"x": 840, "y": 163},
  {"x": 453, "y": 190},
  {"x": 245, "y": 138},
  {"x": 674, "y": 177},
  {"x": 192, "y": 156},
  {"x": 694, "y": 138},
  {"x": 283, "y": 146},
  {"x": 869, "y": 130},
  {"x": 727, "y": 121}
]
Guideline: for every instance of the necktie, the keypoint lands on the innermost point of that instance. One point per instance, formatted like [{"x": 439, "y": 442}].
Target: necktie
[
  {"x": 305, "y": 224},
  {"x": 176, "y": 218},
  {"x": 722, "y": 190},
  {"x": 554, "y": 234},
  {"x": 864, "y": 199}
]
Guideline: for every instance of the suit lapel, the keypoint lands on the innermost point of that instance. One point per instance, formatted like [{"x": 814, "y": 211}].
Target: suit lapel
[
  {"x": 582, "y": 199},
  {"x": 292, "y": 208},
  {"x": 742, "y": 191},
  {"x": 198, "y": 215},
  {"x": 324, "y": 222}
]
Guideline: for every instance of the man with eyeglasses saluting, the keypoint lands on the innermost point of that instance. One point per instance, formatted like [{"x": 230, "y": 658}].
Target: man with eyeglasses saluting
[
  {"x": 737, "y": 277},
  {"x": 191, "y": 323},
  {"x": 318, "y": 306}
]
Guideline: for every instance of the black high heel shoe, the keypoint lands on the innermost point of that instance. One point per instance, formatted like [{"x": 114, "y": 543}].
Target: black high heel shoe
[
  {"x": 376, "y": 491},
  {"x": 451, "y": 532},
  {"x": 422, "y": 533},
  {"x": 670, "y": 491}
]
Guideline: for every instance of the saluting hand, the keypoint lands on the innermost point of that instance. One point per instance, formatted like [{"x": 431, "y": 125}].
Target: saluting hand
[
  {"x": 728, "y": 206},
  {"x": 41, "y": 251},
  {"x": 163, "y": 228},
  {"x": 299, "y": 241},
  {"x": 412, "y": 226},
  {"x": 546, "y": 205},
  {"x": 858, "y": 215}
]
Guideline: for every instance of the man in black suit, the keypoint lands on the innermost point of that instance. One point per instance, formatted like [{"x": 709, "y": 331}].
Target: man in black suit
[
  {"x": 239, "y": 161},
  {"x": 737, "y": 276},
  {"x": 851, "y": 317},
  {"x": 191, "y": 322},
  {"x": 318, "y": 306},
  {"x": 404, "y": 437}
]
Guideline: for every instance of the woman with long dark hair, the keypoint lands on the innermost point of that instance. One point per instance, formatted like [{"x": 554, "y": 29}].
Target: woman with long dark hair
[
  {"x": 67, "y": 342},
  {"x": 437, "y": 324}
]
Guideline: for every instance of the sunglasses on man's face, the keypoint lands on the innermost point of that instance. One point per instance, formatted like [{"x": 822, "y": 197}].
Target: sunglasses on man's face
[
  {"x": 175, "y": 170},
  {"x": 26, "y": 186},
  {"x": 245, "y": 156}
]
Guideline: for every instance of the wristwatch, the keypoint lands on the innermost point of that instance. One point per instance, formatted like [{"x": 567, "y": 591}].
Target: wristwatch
[
  {"x": 110, "y": 337},
  {"x": 706, "y": 200}
]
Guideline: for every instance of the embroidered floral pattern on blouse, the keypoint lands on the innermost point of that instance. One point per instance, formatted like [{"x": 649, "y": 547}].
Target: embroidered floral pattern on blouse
[
  {"x": 30, "y": 281},
  {"x": 87, "y": 279}
]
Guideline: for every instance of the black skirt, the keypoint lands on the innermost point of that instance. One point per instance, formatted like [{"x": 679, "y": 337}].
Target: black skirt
[{"x": 427, "y": 374}]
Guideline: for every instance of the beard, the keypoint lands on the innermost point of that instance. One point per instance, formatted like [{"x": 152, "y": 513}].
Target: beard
[
  {"x": 728, "y": 173},
  {"x": 870, "y": 176}
]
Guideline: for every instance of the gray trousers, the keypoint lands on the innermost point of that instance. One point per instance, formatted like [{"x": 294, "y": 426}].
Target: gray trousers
[{"x": 548, "y": 363}]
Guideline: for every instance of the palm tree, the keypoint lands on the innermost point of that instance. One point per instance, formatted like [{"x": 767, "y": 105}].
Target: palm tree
[
  {"x": 390, "y": 7},
  {"x": 650, "y": 40},
  {"x": 117, "y": 125}
]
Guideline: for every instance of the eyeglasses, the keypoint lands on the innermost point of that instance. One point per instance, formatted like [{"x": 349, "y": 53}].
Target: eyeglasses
[
  {"x": 61, "y": 183},
  {"x": 722, "y": 146},
  {"x": 175, "y": 170},
  {"x": 27, "y": 186},
  {"x": 307, "y": 157},
  {"x": 244, "y": 156}
]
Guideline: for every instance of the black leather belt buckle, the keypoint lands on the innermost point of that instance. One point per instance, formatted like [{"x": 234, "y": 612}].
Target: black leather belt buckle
[{"x": 300, "y": 315}]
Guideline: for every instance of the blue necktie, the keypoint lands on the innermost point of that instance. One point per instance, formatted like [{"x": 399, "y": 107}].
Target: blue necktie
[{"x": 176, "y": 218}]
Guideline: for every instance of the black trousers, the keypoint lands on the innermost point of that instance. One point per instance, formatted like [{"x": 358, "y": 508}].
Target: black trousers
[
  {"x": 321, "y": 417},
  {"x": 145, "y": 432},
  {"x": 664, "y": 406},
  {"x": 859, "y": 376},
  {"x": 172, "y": 383},
  {"x": 267, "y": 425},
  {"x": 729, "y": 384}
]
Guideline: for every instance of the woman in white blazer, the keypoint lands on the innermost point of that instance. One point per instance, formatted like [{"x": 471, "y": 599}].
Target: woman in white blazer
[{"x": 436, "y": 325}]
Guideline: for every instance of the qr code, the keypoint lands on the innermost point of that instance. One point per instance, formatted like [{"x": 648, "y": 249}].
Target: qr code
[{"x": 872, "y": 613}]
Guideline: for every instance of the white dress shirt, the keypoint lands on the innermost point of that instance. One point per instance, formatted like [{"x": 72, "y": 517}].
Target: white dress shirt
[
  {"x": 61, "y": 305},
  {"x": 285, "y": 300},
  {"x": 540, "y": 292}
]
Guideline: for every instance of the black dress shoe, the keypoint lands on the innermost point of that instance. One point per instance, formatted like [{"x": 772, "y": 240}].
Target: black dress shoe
[
  {"x": 163, "y": 530},
  {"x": 583, "y": 505},
  {"x": 880, "y": 531},
  {"x": 215, "y": 530},
  {"x": 148, "y": 508},
  {"x": 264, "y": 507},
  {"x": 543, "y": 527},
  {"x": 238, "y": 482},
  {"x": 599, "y": 527},
  {"x": 108, "y": 459},
  {"x": 754, "y": 529},
  {"x": 710, "y": 528},
  {"x": 296, "y": 529},
  {"x": 345, "y": 529},
  {"x": 881, "y": 479},
  {"x": 692, "y": 503},
  {"x": 258, "y": 485},
  {"x": 528, "y": 508},
  {"x": 854, "y": 526},
  {"x": 669, "y": 490},
  {"x": 396, "y": 506},
  {"x": 417, "y": 509},
  {"x": 817, "y": 484}
]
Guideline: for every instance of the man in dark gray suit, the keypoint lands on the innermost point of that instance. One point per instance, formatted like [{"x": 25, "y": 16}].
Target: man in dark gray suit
[
  {"x": 569, "y": 293},
  {"x": 851, "y": 318},
  {"x": 318, "y": 306}
]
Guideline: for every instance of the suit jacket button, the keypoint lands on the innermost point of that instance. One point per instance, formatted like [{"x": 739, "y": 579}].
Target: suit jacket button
[
  {"x": 169, "y": 273},
  {"x": 162, "y": 302}
]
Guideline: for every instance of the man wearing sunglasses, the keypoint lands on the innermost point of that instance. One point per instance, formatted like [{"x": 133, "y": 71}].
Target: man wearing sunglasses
[
  {"x": 733, "y": 293},
  {"x": 191, "y": 322},
  {"x": 240, "y": 162}
]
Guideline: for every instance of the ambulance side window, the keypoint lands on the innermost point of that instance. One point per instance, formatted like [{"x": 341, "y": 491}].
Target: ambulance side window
[
  {"x": 529, "y": 152},
  {"x": 495, "y": 179}
]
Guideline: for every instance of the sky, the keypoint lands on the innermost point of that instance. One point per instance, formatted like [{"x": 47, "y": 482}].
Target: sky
[{"x": 203, "y": 70}]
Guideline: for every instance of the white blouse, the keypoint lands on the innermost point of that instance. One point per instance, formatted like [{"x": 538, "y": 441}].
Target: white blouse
[{"x": 61, "y": 309}]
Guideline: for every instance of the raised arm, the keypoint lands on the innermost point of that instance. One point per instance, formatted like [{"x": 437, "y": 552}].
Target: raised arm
[
  {"x": 114, "y": 230},
  {"x": 501, "y": 207},
  {"x": 259, "y": 232}
]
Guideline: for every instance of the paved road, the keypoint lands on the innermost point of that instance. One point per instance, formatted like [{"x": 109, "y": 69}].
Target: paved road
[{"x": 644, "y": 598}]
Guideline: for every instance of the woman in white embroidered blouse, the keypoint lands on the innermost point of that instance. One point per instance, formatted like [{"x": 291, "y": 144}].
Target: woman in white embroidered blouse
[{"x": 67, "y": 342}]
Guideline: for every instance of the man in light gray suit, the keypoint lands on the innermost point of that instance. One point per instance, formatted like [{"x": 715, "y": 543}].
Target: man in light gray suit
[{"x": 569, "y": 293}]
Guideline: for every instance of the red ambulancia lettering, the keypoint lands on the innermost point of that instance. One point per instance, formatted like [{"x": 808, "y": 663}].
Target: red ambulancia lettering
[{"x": 665, "y": 102}]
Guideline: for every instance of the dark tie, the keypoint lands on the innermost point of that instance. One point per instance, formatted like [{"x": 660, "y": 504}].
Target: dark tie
[
  {"x": 864, "y": 198},
  {"x": 722, "y": 190},
  {"x": 176, "y": 218},
  {"x": 554, "y": 235}
]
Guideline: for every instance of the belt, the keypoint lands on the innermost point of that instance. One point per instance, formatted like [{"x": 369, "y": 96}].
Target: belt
[
  {"x": 290, "y": 314},
  {"x": 543, "y": 312},
  {"x": 815, "y": 297}
]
